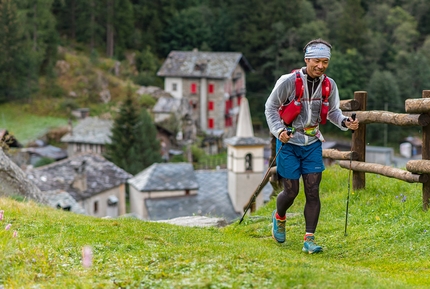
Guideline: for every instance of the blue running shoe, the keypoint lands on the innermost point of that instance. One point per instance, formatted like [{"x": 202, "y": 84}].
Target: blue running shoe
[
  {"x": 309, "y": 245},
  {"x": 278, "y": 229}
]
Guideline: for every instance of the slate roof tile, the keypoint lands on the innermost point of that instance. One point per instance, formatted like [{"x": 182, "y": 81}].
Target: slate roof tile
[
  {"x": 165, "y": 177},
  {"x": 202, "y": 64},
  {"x": 101, "y": 175},
  {"x": 91, "y": 130}
]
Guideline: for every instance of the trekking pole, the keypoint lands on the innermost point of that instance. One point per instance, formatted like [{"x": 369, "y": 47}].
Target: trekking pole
[
  {"x": 257, "y": 191},
  {"x": 349, "y": 183}
]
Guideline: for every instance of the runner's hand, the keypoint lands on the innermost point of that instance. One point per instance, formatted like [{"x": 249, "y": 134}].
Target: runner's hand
[
  {"x": 284, "y": 137},
  {"x": 352, "y": 124}
]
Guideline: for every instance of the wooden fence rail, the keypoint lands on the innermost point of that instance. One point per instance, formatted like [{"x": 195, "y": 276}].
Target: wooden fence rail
[{"x": 418, "y": 114}]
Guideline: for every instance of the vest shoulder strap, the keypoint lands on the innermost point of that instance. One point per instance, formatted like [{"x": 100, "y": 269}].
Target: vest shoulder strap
[
  {"x": 326, "y": 87},
  {"x": 299, "y": 86}
]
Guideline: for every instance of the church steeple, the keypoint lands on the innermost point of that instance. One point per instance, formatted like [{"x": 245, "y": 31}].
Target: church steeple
[
  {"x": 244, "y": 123},
  {"x": 245, "y": 160}
]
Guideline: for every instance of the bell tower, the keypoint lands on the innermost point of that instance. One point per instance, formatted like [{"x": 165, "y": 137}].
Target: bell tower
[{"x": 245, "y": 161}]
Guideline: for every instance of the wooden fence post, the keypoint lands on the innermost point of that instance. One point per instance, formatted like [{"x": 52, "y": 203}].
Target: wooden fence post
[
  {"x": 426, "y": 156},
  {"x": 359, "y": 143}
]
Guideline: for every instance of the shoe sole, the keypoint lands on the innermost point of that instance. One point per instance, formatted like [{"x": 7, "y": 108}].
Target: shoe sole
[
  {"x": 280, "y": 242},
  {"x": 311, "y": 252}
]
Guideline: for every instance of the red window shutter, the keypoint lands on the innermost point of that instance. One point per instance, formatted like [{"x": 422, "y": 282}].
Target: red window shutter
[
  {"x": 193, "y": 88},
  {"x": 211, "y": 105},
  {"x": 211, "y": 123},
  {"x": 228, "y": 121},
  {"x": 211, "y": 88}
]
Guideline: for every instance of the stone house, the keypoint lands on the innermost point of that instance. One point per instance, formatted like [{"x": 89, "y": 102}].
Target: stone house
[
  {"x": 213, "y": 83},
  {"x": 91, "y": 134},
  {"x": 96, "y": 184}
]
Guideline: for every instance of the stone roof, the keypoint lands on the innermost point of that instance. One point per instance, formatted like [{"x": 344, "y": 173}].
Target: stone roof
[
  {"x": 165, "y": 177},
  {"x": 91, "y": 130},
  {"x": 212, "y": 199},
  {"x": 63, "y": 200},
  {"x": 245, "y": 141},
  {"x": 48, "y": 151},
  {"x": 101, "y": 175},
  {"x": 180, "y": 107},
  {"x": 166, "y": 105},
  {"x": 202, "y": 64}
]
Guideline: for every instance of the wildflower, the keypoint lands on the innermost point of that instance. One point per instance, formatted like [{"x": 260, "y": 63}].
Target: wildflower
[
  {"x": 8, "y": 227},
  {"x": 1, "y": 215},
  {"x": 87, "y": 256},
  {"x": 15, "y": 234},
  {"x": 404, "y": 199},
  {"x": 377, "y": 218}
]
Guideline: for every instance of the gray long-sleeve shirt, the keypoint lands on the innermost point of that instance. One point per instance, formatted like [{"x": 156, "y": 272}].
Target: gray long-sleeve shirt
[{"x": 284, "y": 92}]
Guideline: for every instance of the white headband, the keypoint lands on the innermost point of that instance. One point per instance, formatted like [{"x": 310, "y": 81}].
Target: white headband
[{"x": 317, "y": 50}]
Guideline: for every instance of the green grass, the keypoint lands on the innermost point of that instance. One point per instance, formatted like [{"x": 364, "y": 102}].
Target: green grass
[
  {"x": 24, "y": 125},
  {"x": 387, "y": 246}
]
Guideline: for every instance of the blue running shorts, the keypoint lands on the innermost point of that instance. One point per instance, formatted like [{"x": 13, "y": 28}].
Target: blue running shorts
[{"x": 294, "y": 161}]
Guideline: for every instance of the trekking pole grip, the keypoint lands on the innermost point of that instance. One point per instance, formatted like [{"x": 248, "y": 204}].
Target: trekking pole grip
[{"x": 353, "y": 118}]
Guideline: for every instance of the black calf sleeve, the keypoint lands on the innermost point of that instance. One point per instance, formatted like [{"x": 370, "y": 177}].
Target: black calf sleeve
[
  {"x": 311, "y": 184},
  {"x": 286, "y": 198}
]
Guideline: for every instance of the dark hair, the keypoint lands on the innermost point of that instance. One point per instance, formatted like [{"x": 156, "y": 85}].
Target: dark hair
[{"x": 316, "y": 41}]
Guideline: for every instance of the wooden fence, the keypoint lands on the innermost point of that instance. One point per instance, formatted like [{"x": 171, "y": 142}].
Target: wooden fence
[{"x": 417, "y": 114}]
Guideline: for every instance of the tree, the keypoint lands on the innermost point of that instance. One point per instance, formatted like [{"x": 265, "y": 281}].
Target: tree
[
  {"x": 188, "y": 29},
  {"x": 146, "y": 149},
  {"x": 147, "y": 65},
  {"x": 351, "y": 34},
  {"x": 383, "y": 94},
  {"x": 17, "y": 67},
  {"x": 133, "y": 144}
]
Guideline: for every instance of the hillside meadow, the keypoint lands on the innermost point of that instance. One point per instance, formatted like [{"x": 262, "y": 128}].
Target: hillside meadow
[{"x": 387, "y": 246}]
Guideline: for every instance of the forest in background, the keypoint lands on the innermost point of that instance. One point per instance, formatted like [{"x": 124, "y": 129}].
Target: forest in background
[{"x": 382, "y": 47}]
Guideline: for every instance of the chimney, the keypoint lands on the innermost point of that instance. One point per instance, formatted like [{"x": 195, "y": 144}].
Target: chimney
[{"x": 80, "y": 180}]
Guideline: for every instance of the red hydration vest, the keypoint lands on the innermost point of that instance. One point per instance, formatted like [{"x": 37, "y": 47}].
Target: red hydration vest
[{"x": 290, "y": 111}]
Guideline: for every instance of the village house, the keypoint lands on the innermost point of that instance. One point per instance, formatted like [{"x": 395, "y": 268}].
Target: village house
[
  {"x": 91, "y": 134},
  {"x": 96, "y": 184},
  {"x": 213, "y": 83}
]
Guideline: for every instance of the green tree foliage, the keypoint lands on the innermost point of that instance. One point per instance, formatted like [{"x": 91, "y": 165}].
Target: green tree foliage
[
  {"x": 188, "y": 29},
  {"x": 147, "y": 65},
  {"x": 17, "y": 67},
  {"x": 134, "y": 145},
  {"x": 383, "y": 94},
  {"x": 351, "y": 34},
  {"x": 349, "y": 72},
  {"x": 123, "y": 22}
]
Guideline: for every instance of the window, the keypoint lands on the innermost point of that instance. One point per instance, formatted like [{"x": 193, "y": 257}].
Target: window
[
  {"x": 248, "y": 162},
  {"x": 228, "y": 119},
  {"x": 211, "y": 105},
  {"x": 174, "y": 86},
  {"x": 211, "y": 88},
  {"x": 193, "y": 88},
  {"x": 211, "y": 123},
  {"x": 96, "y": 207}
]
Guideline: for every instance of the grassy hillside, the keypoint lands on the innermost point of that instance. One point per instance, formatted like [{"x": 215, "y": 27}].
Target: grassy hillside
[
  {"x": 387, "y": 246},
  {"x": 78, "y": 83}
]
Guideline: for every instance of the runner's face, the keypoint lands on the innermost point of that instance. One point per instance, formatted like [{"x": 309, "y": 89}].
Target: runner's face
[{"x": 316, "y": 66}]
